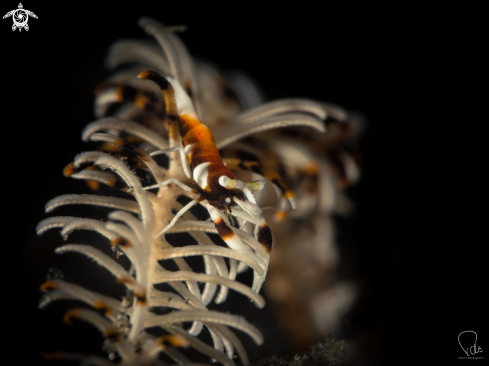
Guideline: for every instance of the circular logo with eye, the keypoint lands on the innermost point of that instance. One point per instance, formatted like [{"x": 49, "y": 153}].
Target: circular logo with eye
[{"x": 20, "y": 17}]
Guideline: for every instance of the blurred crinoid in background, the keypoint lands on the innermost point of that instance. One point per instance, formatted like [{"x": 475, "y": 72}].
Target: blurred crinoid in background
[
  {"x": 303, "y": 285},
  {"x": 304, "y": 150}
]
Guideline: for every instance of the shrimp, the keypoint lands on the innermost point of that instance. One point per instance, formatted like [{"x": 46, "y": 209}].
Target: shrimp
[{"x": 221, "y": 192}]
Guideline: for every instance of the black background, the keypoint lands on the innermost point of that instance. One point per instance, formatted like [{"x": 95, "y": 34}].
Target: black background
[{"x": 416, "y": 74}]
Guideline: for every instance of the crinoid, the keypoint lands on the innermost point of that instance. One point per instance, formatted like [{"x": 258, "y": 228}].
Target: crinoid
[{"x": 148, "y": 121}]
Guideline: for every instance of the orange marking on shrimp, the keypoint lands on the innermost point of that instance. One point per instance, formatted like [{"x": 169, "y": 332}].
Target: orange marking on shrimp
[
  {"x": 192, "y": 130},
  {"x": 203, "y": 152}
]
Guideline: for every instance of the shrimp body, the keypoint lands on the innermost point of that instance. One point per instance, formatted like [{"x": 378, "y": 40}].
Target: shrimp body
[{"x": 220, "y": 190}]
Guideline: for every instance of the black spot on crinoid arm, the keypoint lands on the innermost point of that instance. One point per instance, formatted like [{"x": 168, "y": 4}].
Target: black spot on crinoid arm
[
  {"x": 223, "y": 229},
  {"x": 172, "y": 117},
  {"x": 265, "y": 237},
  {"x": 256, "y": 169},
  {"x": 128, "y": 93},
  {"x": 279, "y": 184},
  {"x": 245, "y": 155},
  {"x": 157, "y": 78}
]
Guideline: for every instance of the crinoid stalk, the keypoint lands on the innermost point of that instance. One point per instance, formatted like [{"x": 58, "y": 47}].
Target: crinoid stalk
[{"x": 163, "y": 103}]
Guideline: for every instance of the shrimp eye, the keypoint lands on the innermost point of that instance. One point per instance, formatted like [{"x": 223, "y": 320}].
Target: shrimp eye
[
  {"x": 257, "y": 185},
  {"x": 227, "y": 182}
]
